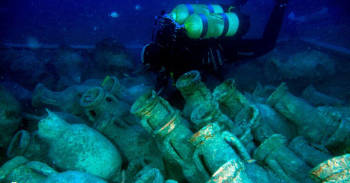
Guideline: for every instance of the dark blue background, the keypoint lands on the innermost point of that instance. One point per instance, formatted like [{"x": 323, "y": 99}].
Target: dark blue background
[{"x": 73, "y": 21}]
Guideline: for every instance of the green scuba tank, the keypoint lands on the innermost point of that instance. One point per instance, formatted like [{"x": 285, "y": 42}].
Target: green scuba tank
[
  {"x": 183, "y": 11},
  {"x": 211, "y": 25}
]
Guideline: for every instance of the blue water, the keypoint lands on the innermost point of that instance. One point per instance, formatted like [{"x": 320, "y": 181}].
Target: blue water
[
  {"x": 55, "y": 43},
  {"x": 85, "y": 22}
]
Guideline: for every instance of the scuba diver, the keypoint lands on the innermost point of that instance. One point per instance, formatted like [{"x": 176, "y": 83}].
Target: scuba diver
[{"x": 205, "y": 37}]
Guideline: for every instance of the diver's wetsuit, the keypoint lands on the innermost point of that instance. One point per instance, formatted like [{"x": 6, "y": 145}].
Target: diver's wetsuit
[{"x": 173, "y": 53}]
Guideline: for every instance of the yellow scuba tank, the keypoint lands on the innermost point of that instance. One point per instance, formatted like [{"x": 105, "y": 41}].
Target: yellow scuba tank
[
  {"x": 183, "y": 11},
  {"x": 212, "y": 25}
]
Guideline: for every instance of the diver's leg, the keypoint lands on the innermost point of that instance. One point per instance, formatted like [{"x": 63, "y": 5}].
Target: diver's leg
[{"x": 274, "y": 24}]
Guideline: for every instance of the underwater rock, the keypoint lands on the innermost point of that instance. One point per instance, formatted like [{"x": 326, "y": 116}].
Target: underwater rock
[
  {"x": 311, "y": 155},
  {"x": 111, "y": 57},
  {"x": 309, "y": 121},
  {"x": 336, "y": 169},
  {"x": 76, "y": 146},
  {"x": 317, "y": 98},
  {"x": 69, "y": 64},
  {"x": 111, "y": 44},
  {"x": 20, "y": 169},
  {"x": 73, "y": 177},
  {"x": 310, "y": 65},
  {"x": 193, "y": 90},
  {"x": 274, "y": 152},
  {"x": 23, "y": 95},
  {"x": 28, "y": 145},
  {"x": 66, "y": 100},
  {"x": 10, "y": 116},
  {"x": 25, "y": 67},
  {"x": 214, "y": 156}
]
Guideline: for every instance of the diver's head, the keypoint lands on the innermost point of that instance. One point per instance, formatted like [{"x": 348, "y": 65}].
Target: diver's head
[{"x": 165, "y": 30}]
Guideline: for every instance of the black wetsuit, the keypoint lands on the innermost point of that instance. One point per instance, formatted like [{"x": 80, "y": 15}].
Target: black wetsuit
[{"x": 173, "y": 53}]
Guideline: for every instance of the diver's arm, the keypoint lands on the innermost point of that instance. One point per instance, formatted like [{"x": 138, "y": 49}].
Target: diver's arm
[{"x": 248, "y": 48}]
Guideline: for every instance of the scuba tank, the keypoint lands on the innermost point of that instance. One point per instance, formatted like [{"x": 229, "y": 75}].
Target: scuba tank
[
  {"x": 182, "y": 11},
  {"x": 211, "y": 25}
]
